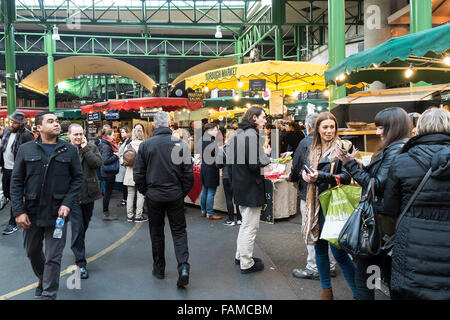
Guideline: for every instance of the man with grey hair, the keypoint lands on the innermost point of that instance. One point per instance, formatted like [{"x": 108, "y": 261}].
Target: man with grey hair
[
  {"x": 165, "y": 180},
  {"x": 301, "y": 158}
]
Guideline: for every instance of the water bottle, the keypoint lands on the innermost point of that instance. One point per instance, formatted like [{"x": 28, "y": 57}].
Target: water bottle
[{"x": 59, "y": 225}]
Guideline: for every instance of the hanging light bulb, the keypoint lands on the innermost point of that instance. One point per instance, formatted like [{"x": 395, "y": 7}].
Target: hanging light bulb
[
  {"x": 218, "y": 32},
  {"x": 55, "y": 35},
  {"x": 205, "y": 89},
  {"x": 342, "y": 77},
  {"x": 326, "y": 93},
  {"x": 240, "y": 84},
  {"x": 447, "y": 60},
  {"x": 236, "y": 98},
  {"x": 409, "y": 72}
]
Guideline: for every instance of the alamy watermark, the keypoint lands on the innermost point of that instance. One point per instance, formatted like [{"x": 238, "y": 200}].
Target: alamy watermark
[
  {"x": 74, "y": 280},
  {"x": 374, "y": 280}
]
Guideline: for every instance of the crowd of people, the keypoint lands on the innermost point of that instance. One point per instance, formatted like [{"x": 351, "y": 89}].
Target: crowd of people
[{"x": 61, "y": 173}]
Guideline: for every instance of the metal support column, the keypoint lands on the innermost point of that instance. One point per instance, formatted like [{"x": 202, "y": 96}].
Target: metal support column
[
  {"x": 9, "y": 12},
  {"x": 106, "y": 88},
  {"x": 117, "y": 87},
  {"x": 49, "y": 48},
  {"x": 336, "y": 42},
  {"x": 421, "y": 19},
  {"x": 238, "y": 51},
  {"x": 278, "y": 18},
  {"x": 163, "y": 77}
]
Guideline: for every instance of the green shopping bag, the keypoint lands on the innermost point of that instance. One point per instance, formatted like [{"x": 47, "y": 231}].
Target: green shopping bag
[{"x": 337, "y": 204}]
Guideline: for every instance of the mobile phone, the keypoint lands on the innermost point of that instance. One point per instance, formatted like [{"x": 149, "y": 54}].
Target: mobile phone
[{"x": 307, "y": 169}]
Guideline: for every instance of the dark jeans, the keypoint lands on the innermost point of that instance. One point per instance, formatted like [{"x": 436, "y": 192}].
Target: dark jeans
[
  {"x": 6, "y": 184},
  {"x": 227, "y": 188},
  {"x": 177, "y": 222},
  {"x": 361, "y": 275},
  {"x": 323, "y": 265},
  {"x": 80, "y": 216},
  {"x": 124, "y": 192},
  {"x": 109, "y": 185},
  {"x": 46, "y": 265}
]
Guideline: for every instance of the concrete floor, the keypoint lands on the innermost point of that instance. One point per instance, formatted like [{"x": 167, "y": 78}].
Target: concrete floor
[{"x": 124, "y": 272}]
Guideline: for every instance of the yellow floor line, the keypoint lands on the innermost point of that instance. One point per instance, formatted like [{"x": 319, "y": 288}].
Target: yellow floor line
[{"x": 71, "y": 268}]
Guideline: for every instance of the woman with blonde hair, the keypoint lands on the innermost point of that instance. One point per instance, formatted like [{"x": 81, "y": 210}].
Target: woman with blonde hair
[
  {"x": 420, "y": 256},
  {"x": 324, "y": 173},
  {"x": 137, "y": 137}
]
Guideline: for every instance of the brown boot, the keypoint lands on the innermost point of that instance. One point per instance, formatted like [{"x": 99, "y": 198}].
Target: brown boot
[
  {"x": 327, "y": 294},
  {"x": 213, "y": 217}
]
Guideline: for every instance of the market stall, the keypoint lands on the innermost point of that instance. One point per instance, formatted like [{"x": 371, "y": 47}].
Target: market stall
[{"x": 281, "y": 196}]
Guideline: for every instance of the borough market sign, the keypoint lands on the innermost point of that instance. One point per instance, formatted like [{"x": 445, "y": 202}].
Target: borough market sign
[{"x": 219, "y": 74}]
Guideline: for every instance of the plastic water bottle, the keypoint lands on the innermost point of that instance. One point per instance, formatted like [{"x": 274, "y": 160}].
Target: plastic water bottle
[{"x": 59, "y": 225}]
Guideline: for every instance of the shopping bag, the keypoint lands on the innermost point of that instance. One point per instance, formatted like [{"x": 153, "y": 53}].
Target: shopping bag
[{"x": 337, "y": 204}]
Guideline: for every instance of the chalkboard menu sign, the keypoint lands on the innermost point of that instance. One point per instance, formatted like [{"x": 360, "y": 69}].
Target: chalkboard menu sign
[
  {"x": 224, "y": 93},
  {"x": 267, "y": 210},
  {"x": 257, "y": 84},
  {"x": 195, "y": 96}
]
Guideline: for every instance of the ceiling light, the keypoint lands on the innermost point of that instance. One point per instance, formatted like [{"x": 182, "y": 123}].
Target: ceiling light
[
  {"x": 240, "y": 84},
  {"x": 55, "y": 35},
  {"x": 218, "y": 32},
  {"x": 206, "y": 89},
  {"x": 326, "y": 93},
  {"x": 236, "y": 98},
  {"x": 342, "y": 77},
  {"x": 409, "y": 72},
  {"x": 447, "y": 60}
]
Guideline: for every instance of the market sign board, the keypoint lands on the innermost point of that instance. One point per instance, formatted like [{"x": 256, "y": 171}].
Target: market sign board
[
  {"x": 257, "y": 84},
  {"x": 112, "y": 115},
  {"x": 276, "y": 102},
  {"x": 195, "y": 96},
  {"x": 95, "y": 116},
  {"x": 148, "y": 113},
  {"x": 220, "y": 74},
  {"x": 224, "y": 93}
]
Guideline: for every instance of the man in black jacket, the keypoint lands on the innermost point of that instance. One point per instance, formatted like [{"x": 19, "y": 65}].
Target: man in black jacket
[
  {"x": 301, "y": 158},
  {"x": 91, "y": 160},
  {"x": 163, "y": 171},
  {"x": 13, "y": 137},
  {"x": 47, "y": 173}
]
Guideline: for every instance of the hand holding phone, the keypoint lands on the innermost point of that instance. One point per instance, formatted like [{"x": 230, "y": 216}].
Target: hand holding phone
[{"x": 308, "y": 170}]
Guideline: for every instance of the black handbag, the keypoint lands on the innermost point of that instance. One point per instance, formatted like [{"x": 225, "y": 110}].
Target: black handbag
[
  {"x": 112, "y": 168},
  {"x": 360, "y": 236}
]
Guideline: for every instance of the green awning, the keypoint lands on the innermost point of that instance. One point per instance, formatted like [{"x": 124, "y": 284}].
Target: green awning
[
  {"x": 423, "y": 51},
  {"x": 230, "y": 102},
  {"x": 69, "y": 114}
]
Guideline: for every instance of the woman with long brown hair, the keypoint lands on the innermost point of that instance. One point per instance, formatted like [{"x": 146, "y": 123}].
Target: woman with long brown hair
[
  {"x": 394, "y": 129},
  {"x": 323, "y": 174}
]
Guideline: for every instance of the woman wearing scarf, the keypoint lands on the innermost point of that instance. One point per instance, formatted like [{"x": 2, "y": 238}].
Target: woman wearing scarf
[
  {"x": 323, "y": 177},
  {"x": 110, "y": 153}
]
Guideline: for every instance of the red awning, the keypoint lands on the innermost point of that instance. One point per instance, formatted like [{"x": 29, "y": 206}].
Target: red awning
[
  {"x": 168, "y": 104},
  {"x": 28, "y": 113}
]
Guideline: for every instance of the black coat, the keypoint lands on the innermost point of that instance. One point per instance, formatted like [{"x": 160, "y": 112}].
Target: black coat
[
  {"x": 377, "y": 169},
  {"x": 108, "y": 157},
  {"x": 209, "y": 173},
  {"x": 290, "y": 140},
  {"x": 299, "y": 159},
  {"x": 23, "y": 135},
  {"x": 421, "y": 254},
  {"x": 91, "y": 160},
  {"x": 248, "y": 162},
  {"x": 46, "y": 183},
  {"x": 154, "y": 172}
]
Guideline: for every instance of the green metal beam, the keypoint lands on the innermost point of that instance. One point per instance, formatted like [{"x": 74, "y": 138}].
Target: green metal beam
[
  {"x": 336, "y": 43},
  {"x": 49, "y": 45},
  {"x": 8, "y": 14},
  {"x": 421, "y": 15}
]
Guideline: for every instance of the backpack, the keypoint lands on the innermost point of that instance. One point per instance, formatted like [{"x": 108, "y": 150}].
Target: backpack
[{"x": 128, "y": 156}]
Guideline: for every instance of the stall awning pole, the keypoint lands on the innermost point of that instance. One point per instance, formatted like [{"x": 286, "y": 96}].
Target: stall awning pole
[
  {"x": 51, "y": 70},
  {"x": 336, "y": 43}
]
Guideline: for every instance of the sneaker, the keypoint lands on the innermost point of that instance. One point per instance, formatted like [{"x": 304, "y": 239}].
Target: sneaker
[
  {"x": 239, "y": 222},
  {"x": 108, "y": 217},
  {"x": 140, "y": 220},
  {"x": 130, "y": 219},
  {"x": 84, "y": 273},
  {"x": 258, "y": 266},
  {"x": 122, "y": 203},
  {"x": 10, "y": 229},
  {"x": 3, "y": 203},
  {"x": 229, "y": 223},
  {"x": 38, "y": 292},
  {"x": 305, "y": 274}
]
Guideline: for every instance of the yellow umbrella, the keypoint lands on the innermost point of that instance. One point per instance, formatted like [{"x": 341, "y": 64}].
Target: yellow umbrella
[{"x": 288, "y": 76}]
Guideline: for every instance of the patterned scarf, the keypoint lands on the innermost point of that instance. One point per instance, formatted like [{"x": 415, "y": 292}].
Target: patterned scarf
[
  {"x": 311, "y": 228},
  {"x": 112, "y": 143}
]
